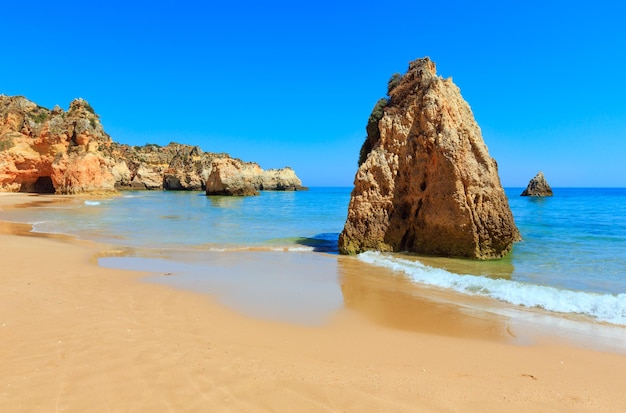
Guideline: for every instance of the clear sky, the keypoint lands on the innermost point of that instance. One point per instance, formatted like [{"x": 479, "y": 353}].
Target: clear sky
[{"x": 293, "y": 83}]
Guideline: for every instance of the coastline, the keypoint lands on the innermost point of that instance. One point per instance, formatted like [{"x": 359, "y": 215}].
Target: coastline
[{"x": 77, "y": 337}]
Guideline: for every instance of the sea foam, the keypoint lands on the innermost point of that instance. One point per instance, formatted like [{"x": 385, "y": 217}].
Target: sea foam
[{"x": 610, "y": 308}]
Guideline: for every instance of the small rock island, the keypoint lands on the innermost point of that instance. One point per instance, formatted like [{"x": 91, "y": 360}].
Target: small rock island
[
  {"x": 233, "y": 178},
  {"x": 538, "y": 186},
  {"x": 425, "y": 181}
]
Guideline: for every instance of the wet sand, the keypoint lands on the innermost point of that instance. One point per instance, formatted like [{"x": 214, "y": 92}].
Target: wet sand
[{"x": 78, "y": 337}]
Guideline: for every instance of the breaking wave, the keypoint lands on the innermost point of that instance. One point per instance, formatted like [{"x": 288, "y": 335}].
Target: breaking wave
[{"x": 610, "y": 308}]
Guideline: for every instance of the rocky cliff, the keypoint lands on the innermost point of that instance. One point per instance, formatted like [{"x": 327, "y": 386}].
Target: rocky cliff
[
  {"x": 45, "y": 150},
  {"x": 538, "y": 186},
  {"x": 426, "y": 182},
  {"x": 171, "y": 167},
  {"x": 68, "y": 152}
]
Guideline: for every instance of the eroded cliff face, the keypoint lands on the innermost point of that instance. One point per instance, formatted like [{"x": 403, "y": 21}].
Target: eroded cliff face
[
  {"x": 68, "y": 152},
  {"x": 228, "y": 177},
  {"x": 428, "y": 184},
  {"x": 232, "y": 177},
  {"x": 45, "y": 150},
  {"x": 171, "y": 167}
]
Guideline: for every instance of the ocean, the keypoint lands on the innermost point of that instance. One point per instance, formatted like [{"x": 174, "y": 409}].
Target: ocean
[{"x": 571, "y": 263}]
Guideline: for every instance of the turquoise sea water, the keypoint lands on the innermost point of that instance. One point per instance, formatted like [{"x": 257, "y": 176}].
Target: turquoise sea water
[{"x": 572, "y": 258}]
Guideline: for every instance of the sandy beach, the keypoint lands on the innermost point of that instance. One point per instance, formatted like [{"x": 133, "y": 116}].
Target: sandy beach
[{"x": 77, "y": 337}]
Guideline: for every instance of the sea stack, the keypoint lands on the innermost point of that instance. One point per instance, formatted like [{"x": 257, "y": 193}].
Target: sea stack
[
  {"x": 538, "y": 186},
  {"x": 232, "y": 177},
  {"x": 426, "y": 182}
]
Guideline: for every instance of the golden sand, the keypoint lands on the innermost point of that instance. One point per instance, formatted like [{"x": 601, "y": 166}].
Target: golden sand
[{"x": 75, "y": 337}]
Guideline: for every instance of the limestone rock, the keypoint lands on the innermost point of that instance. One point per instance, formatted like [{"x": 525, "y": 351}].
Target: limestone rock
[
  {"x": 284, "y": 179},
  {"x": 68, "y": 152},
  {"x": 538, "y": 186},
  {"x": 229, "y": 177},
  {"x": 150, "y": 166},
  {"x": 88, "y": 173},
  {"x": 426, "y": 183},
  {"x": 121, "y": 173},
  {"x": 52, "y": 151},
  {"x": 188, "y": 169},
  {"x": 146, "y": 178}
]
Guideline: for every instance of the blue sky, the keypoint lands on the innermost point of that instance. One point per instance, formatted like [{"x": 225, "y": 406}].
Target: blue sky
[{"x": 293, "y": 83}]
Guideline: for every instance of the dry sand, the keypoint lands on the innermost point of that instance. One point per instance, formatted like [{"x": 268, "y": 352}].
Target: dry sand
[{"x": 75, "y": 337}]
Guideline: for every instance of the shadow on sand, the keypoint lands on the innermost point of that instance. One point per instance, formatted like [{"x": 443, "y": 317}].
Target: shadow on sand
[{"x": 325, "y": 242}]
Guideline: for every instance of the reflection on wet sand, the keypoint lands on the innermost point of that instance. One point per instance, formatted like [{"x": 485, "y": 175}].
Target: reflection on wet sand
[
  {"x": 293, "y": 287},
  {"x": 14, "y": 228},
  {"x": 39, "y": 200},
  {"x": 25, "y": 230},
  {"x": 496, "y": 269},
  {"x": 308, "y": 288},
  {"x": 388, "y": 298}
]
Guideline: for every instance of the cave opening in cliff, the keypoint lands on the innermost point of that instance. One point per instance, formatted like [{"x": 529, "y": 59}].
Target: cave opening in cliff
[{"x": 43, "y": 185}]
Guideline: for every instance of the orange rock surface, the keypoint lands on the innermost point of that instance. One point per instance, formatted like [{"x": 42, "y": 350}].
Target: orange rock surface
[
  {"x": 427, "y": 183},
  {"x": 68, "y": 152}
]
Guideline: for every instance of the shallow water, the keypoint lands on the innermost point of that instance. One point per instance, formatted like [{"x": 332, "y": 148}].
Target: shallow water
[
  {"x": 572, "y": 258},
  {"x": 305, "y": 290}
]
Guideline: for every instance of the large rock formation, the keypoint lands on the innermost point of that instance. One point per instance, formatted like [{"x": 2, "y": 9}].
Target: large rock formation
[
  {"x": 67, "y": 152},
  {"x": 426, "y": 182},
  {"x": 172, "y": 167},
  {"x": 52, "y": 151},
  {"x": 538, "y": 186}
]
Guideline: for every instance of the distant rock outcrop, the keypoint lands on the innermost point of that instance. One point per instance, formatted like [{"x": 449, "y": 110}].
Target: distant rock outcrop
[
  {"x": 426, "y": 182},
  {"x": 283, "y": 179},
  {"x": 232, "y": 178},
  {"x": 229, "y": 177},
  {"x": 538, "y": 186},
  {"x": 68, "y": 152},
  {"x": 171, "y": 167}
]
